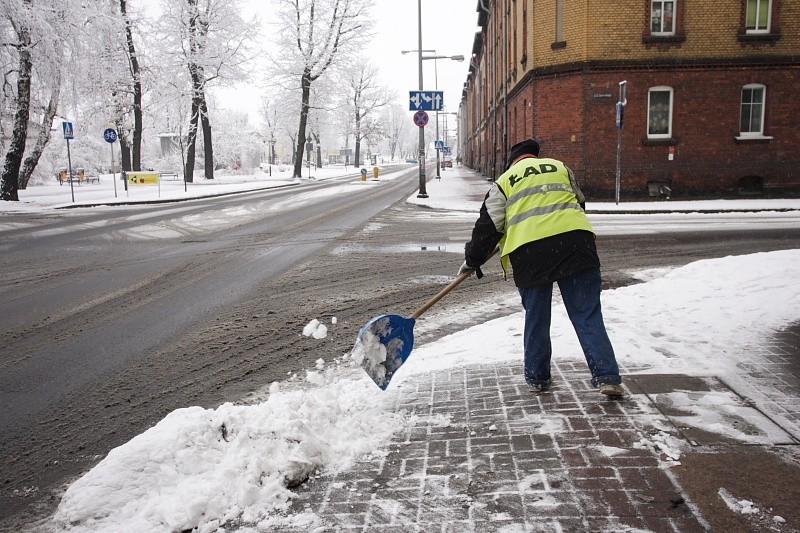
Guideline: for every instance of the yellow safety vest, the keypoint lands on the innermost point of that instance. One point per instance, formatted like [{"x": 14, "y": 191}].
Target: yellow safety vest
[{"x": 540, "y": 203}]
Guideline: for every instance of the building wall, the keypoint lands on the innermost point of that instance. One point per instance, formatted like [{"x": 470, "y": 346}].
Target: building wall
[{"x": 564, "y": 93}]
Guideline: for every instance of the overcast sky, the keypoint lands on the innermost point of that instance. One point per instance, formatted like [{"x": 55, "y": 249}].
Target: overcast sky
[{"x": 448, "y": 26}]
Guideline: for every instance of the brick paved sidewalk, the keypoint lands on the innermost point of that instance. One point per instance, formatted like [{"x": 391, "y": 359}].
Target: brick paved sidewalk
[{"x": 485, "y": 454}]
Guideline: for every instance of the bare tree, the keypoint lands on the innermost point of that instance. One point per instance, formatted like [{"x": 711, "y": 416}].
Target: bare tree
[
  {"x": 213, "y": 41},
  {"x": 43, "y": 136},
  {"x": 365, "y": 96},
  {"x": 136, "y": 89},
  {"x": 314, "y": 34},
  {"x": 13, "y": 161},
  {"x": 31, "y": 60},
  {"x": 396, "y": 119}
]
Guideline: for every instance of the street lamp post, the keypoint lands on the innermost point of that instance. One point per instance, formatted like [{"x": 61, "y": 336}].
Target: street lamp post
[
  {"x": 423, "y": 193},
  {"x": 444, "y": 115}
]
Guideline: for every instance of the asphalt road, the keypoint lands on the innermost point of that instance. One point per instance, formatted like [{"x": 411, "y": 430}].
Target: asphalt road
[{"x": 112, "y": 319}]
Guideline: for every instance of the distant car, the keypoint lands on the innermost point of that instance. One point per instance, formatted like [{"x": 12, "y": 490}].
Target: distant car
[
  {"x": 447, "y": 163},
  {"x": 410, "y": 160}
]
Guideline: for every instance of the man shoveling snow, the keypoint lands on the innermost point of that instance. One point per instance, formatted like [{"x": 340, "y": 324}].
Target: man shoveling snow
[{"x": 535, "y": 211}]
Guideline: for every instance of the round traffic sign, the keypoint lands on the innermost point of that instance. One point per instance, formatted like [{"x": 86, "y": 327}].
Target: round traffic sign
[
  {"x": 421, "y": 118},
  {"x": 110, "y": 135}
]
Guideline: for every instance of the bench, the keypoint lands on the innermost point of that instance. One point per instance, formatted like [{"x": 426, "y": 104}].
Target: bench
[
  {"x": 169, "y": 174},
  {"x": 77, "y": 176}
]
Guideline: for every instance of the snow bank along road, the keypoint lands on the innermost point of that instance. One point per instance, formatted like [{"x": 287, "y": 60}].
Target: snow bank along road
[{"x": 115, "y": 317}]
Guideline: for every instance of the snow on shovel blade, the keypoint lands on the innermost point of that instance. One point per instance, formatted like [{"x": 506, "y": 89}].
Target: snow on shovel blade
[{"x": 383, "y": 345}]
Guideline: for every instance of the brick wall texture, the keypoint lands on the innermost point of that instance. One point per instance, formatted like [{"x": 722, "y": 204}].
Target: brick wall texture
[{"x": 564, "y": 93}]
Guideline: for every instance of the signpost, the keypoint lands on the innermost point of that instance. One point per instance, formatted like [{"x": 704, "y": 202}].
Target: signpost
[
  {"x": 426, "y": 100},
  {"x": 138, "y": 177},
  {"x": 69, "y": 133},
  {"x": 110, "y": 135},
  {"x": 309, "y": 151},
  {"x": 620, "y": 113}
]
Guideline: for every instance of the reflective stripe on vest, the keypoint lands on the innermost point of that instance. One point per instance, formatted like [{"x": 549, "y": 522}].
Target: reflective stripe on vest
[{"x": 540, "y": 202}]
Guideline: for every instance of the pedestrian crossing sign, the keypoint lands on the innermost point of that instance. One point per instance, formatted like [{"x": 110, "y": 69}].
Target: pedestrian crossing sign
[{"x": 68, "y": 130}]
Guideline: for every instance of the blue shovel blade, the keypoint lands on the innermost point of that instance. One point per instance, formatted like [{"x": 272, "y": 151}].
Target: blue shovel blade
[{"x": 383, "y": 345}]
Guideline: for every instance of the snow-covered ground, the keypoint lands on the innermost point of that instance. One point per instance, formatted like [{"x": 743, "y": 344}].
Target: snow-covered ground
[
  {"x": 200, "y": 467},
  {"x": 466, "y": 197},
  {"x": 110, "y": 189}
]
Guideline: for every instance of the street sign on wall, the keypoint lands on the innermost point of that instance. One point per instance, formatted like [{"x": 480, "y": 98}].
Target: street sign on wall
[{"x": 425, "y": 100}]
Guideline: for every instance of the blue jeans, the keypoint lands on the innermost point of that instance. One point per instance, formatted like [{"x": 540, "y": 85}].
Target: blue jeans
[{"x": 581, "y": 295}]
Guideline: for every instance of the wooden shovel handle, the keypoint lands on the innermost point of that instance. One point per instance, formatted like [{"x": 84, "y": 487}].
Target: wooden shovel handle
[{"x": 453, "y": 284}]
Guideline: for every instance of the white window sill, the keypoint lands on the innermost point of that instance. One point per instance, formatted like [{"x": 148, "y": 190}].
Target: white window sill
[{"x": 753, "y": 138}]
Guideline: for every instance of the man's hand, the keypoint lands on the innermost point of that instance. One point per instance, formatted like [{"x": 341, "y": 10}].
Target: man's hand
[{"x": 465, "y": 268}]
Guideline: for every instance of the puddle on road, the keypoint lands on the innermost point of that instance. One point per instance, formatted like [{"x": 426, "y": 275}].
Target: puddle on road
[{"x": 400, "y": 248}]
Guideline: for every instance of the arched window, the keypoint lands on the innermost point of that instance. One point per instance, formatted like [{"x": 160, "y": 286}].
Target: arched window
[{"x": 659, "y": 112}]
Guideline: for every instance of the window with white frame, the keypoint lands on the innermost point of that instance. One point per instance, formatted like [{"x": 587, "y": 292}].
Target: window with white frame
[
  {"x": 751, "y": 123},
  {"x": 559, "y": 21},
  {"x": 659, "y": 113},
  {"x": 662, "y": 17},
  {"x": 759, "y": 15}
]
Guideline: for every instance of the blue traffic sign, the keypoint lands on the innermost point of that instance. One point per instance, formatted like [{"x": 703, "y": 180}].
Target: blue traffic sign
[
  {"x": 426, "y": 100},
  {"x": 69, "y": 131},
  {"x": 110, "y": 135},
  {"x": 439, "y": 145}
]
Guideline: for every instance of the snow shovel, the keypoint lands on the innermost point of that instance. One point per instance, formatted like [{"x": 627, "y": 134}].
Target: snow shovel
[{"x": 386, "y": 341}]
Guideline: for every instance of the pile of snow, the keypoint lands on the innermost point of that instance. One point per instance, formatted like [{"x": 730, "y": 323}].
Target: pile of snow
[
  {"x": 316, "y": 329},
  {"x": 202, "y": 467}
]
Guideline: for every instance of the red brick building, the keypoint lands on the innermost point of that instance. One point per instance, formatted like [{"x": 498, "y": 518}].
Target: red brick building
[{"x": 713, "y": 92}]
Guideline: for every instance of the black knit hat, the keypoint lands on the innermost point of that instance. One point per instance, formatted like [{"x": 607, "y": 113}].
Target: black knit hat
[{"x": 528, "y": 146}]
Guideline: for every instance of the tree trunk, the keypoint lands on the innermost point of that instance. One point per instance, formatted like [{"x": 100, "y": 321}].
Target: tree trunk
[
  {"x": 125, "y": 153},
  {"x": 9, "y": 181},
  {"x": 136, "y": 148},
  {"x": 305, "y": 83},
  {"x": 43, "y": 137},
  {"x": 198, "y": 28},
  {"x": 188, "y": 173},
  {"x": 357, "y": 137},
  {"x": 208, "y": 147}
]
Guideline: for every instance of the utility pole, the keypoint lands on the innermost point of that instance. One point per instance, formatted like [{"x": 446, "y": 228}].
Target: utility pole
[{"x": 423, "y": 193}]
